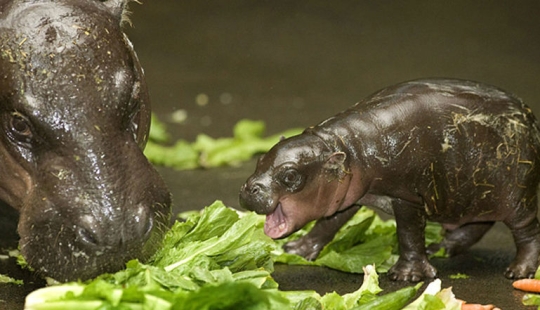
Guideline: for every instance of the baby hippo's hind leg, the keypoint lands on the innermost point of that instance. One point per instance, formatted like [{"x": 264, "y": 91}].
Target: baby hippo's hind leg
[
  {"x": 310, "y": 245},
  {"x": 525, "y": 229},
  {"x": 458, "y": 240}
]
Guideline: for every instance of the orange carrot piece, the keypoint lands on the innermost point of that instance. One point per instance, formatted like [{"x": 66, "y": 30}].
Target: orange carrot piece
[{"x": 528, "y": 285}]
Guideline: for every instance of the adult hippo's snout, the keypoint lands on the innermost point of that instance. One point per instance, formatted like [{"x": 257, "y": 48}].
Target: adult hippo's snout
[
  {"x": 74, "y": 119},
  {"x": 83, "y": 217}
]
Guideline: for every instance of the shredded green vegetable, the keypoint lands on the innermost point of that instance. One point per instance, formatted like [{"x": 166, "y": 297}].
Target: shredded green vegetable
[
  {"x": 218, "y": 258},
  {"x": 9, "y": 280},
  {"x": 459, "y": 276},
  {"x": 531, "y": 299},
  {"x": 364, "y": 239},
  {"x": 248, "y": 139}
]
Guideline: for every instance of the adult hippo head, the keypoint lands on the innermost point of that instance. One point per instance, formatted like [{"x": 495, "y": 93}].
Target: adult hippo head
[{"x": 74, "y": 117}]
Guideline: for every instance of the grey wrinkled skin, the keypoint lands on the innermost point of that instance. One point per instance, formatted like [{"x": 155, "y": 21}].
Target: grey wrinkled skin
[
  {"x": 460, "y": 153},
  {"x": 75, "y": 115}
]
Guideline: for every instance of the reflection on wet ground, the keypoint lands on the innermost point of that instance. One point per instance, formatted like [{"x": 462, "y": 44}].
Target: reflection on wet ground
[{"x": 295, "y": 63}]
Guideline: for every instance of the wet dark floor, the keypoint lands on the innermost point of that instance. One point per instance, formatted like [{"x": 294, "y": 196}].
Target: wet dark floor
[{"x": 294, "y": 63}]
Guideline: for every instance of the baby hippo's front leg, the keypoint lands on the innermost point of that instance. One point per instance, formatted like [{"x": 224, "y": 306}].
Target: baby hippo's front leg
[
  {"x": 413, "y": 264},
  {"x": 310, "y": 245}
]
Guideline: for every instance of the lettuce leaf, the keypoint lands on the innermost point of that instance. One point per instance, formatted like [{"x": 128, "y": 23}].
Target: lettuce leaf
[
  {"x": 436, "y": 299},
  {"x": 9, "y": 280},
  {"x": 158, "y": 131},
  {"x": 206, "y": 152},
  {"x": 532, "y": 299},
  {"x": 198, "y": 263},
  {"x": 220, "y": 258},
  {"x": 364, "y": 239}
]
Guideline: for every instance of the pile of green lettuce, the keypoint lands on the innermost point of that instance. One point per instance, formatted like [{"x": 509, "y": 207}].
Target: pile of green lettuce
[
  {"x": 364, "y": 239},
  {"x": 248, "y": 139},
  {"x": 220, "y": 258}
]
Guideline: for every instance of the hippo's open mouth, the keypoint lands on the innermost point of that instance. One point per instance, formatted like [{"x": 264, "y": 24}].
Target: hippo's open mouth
[{"x": 276, "y": 225}]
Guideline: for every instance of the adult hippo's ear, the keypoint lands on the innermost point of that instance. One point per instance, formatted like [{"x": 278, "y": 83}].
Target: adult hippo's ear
[{"x": 117, "y": 8}]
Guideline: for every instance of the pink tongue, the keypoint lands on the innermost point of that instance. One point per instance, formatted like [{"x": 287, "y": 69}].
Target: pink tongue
[{"x": 275, "y": 225}]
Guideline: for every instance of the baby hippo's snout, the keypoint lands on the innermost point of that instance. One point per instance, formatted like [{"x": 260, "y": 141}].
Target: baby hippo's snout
[
  {"x": 255, "y": 196},
  {"x": 252, "y": 189}
]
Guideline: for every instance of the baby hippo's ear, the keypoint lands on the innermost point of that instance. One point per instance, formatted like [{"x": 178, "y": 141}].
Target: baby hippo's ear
[{"x": 335, "y": 161}]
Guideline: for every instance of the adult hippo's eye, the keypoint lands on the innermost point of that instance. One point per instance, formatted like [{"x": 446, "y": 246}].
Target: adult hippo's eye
[
  {"x": 291, "y": 178},
  {"x": 20, "y": 130},
  {"x": 133, "y": 120},
  {"x": 134, "y": 124},
  {"x": 135, "y": 113}
]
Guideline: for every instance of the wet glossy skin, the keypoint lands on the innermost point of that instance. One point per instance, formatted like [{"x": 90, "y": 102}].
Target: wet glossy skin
[
  {"x": 460, "y": 153},
  {"x": 75, "y": 116}
]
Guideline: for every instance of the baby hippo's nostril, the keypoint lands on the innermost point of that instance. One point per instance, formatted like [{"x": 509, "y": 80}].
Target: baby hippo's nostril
[
  {"x": 255, "y": 189},
  {"x": 251, "y": 187}
]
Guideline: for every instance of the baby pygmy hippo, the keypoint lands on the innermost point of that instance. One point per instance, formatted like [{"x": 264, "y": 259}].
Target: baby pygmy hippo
[{"x": 456, "y": 152}]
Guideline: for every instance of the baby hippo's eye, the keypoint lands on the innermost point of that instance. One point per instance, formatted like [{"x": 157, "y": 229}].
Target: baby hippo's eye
[
  {"x": 292, "y": 179},
  {"x": 290, "y": 176}
]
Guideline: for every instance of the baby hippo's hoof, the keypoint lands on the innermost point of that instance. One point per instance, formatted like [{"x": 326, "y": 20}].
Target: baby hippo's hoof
[
  {"x": 308, "y": 248},
  {"x": 525, "y": 263},
  {"x": 413, "y": 271},
  {"x": 520, "y": 272}
]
